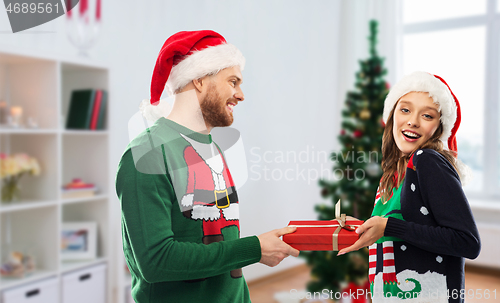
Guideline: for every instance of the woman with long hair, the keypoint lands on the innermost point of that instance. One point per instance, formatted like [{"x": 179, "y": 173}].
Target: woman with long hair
[{"x": 421, "y": 227}]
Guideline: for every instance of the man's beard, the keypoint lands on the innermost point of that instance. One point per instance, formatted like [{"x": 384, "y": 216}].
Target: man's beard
[{"x": 213, "y": 109}]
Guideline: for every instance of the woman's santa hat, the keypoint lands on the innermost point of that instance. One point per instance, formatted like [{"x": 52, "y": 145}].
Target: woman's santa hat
[
  {"x": 449, "y": 107},
  {"x": 186, "y": 56}
]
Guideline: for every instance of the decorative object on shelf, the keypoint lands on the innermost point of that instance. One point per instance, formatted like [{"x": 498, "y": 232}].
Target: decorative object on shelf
[
  {"x": 18, "y": 265},
  {"x": 78, "y": 189},
  {"x": 83, "y": 27},
  {"x": 32, "y": 122},
  {"x": 12, "y": 168},
  {"x": 12, "y": 117},
  {"x": 4, "y": 113},
  {"x": 79, "y": 240},
  {"x": 16, "y": 115},
  {"x": 87, "y": 109}
]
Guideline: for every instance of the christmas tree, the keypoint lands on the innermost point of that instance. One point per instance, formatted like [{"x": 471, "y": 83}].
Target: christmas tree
[{"x": 357, "y": 171}]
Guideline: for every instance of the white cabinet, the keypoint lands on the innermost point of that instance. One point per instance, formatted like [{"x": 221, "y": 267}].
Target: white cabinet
[
  {"x": 42, "y": 86},
  {"x": 45, "y": 291},
  {"x": 83, "y": 286}
]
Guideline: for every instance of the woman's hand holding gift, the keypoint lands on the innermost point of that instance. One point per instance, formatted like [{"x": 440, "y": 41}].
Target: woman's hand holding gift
[{"x": 372, "y": 230}]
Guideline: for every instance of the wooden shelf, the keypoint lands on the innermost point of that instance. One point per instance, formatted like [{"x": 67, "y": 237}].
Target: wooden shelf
[
  {"x": 86, "y": 132},
  {"x": 14, "y": 55},
  {"x": 85, "y": 199},
  {"x": 25, "y": 205},
  {"x": 42, "y": 84},
  {"x": 40, "y": 131},
  {"x": 28, "y": 131}
]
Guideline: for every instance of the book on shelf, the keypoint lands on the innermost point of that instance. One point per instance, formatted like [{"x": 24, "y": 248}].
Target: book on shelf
[
  {"x": 87, "y": 109},
  {"x": 78, "y": 193},
  {"x": 95, "y": 110},
  {"x": 102, "y": 112},
  {"x": 78, "y": 189}
]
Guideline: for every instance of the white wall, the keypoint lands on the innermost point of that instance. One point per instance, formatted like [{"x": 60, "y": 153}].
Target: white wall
[{"x": 301, "y": 57}]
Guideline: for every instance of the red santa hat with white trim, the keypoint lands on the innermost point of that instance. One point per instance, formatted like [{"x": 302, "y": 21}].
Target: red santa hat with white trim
[
  {"x": 443, "y": 96},
  {"x": 186, "y": 56}
]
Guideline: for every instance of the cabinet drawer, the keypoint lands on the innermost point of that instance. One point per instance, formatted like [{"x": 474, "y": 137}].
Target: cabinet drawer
[
  {"x": 44, "y": 291},
  {"x": 84, "y": 286}
]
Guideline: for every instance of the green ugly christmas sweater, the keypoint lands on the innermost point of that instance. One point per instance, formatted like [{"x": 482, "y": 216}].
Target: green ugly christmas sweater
[
  {"x": 429, "y": 232},
  {"x": 180, "y": 219}
]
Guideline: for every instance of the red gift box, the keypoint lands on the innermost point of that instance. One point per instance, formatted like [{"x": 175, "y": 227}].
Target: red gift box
[{"x": 323, "y": 235}]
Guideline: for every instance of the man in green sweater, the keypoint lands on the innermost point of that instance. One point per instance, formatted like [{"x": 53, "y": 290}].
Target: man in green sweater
[{"x": 180, "y": 209}]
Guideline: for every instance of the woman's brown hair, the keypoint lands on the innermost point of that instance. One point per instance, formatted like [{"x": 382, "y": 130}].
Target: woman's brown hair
[{"x": 394, "y": 165}]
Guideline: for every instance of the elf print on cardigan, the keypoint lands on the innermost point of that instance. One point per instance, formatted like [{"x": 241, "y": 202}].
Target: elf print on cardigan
[
  {"x": 387, "y": 281},
  {"x": 382, "y": 252}
]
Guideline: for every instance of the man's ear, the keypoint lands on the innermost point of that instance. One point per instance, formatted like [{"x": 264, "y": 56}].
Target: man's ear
[{"x": 200, "y": 84}]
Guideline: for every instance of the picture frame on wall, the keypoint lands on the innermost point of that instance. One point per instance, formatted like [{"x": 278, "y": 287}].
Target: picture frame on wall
[{"x": 79, "y": 241}]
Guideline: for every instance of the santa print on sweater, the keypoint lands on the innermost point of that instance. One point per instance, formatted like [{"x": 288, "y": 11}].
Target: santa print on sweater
[
  {"x": 210, "y": 194},
  {"x": 429, "y": 231}
]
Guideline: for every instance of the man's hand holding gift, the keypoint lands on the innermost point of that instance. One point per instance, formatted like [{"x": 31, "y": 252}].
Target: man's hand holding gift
[{"x": 273, "y": 249}]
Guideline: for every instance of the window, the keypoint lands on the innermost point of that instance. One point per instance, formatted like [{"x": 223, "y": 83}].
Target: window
[
  {"x": 429, "y": 10},
  {"x": 458, "y": 40}
]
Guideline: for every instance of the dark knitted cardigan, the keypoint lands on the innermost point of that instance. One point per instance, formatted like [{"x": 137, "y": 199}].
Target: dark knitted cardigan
[{"x": 438, "y": 229}]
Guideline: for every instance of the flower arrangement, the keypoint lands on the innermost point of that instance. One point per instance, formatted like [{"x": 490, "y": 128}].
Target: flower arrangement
[{"x": 12, "y": 168}]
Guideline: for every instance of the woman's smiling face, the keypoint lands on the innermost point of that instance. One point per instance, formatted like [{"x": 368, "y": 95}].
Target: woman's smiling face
[{"x": 416, "y": 119}]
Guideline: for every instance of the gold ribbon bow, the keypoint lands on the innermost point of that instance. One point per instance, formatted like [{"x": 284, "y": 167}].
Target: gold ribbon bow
[{"x": 341, "y": 219}]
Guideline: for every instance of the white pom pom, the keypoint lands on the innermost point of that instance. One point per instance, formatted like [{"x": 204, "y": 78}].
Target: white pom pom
[
  {"x": 187, "y": 200},
  {"x": 464, "y": 171},
  {"x": 154, "y": 112}
]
